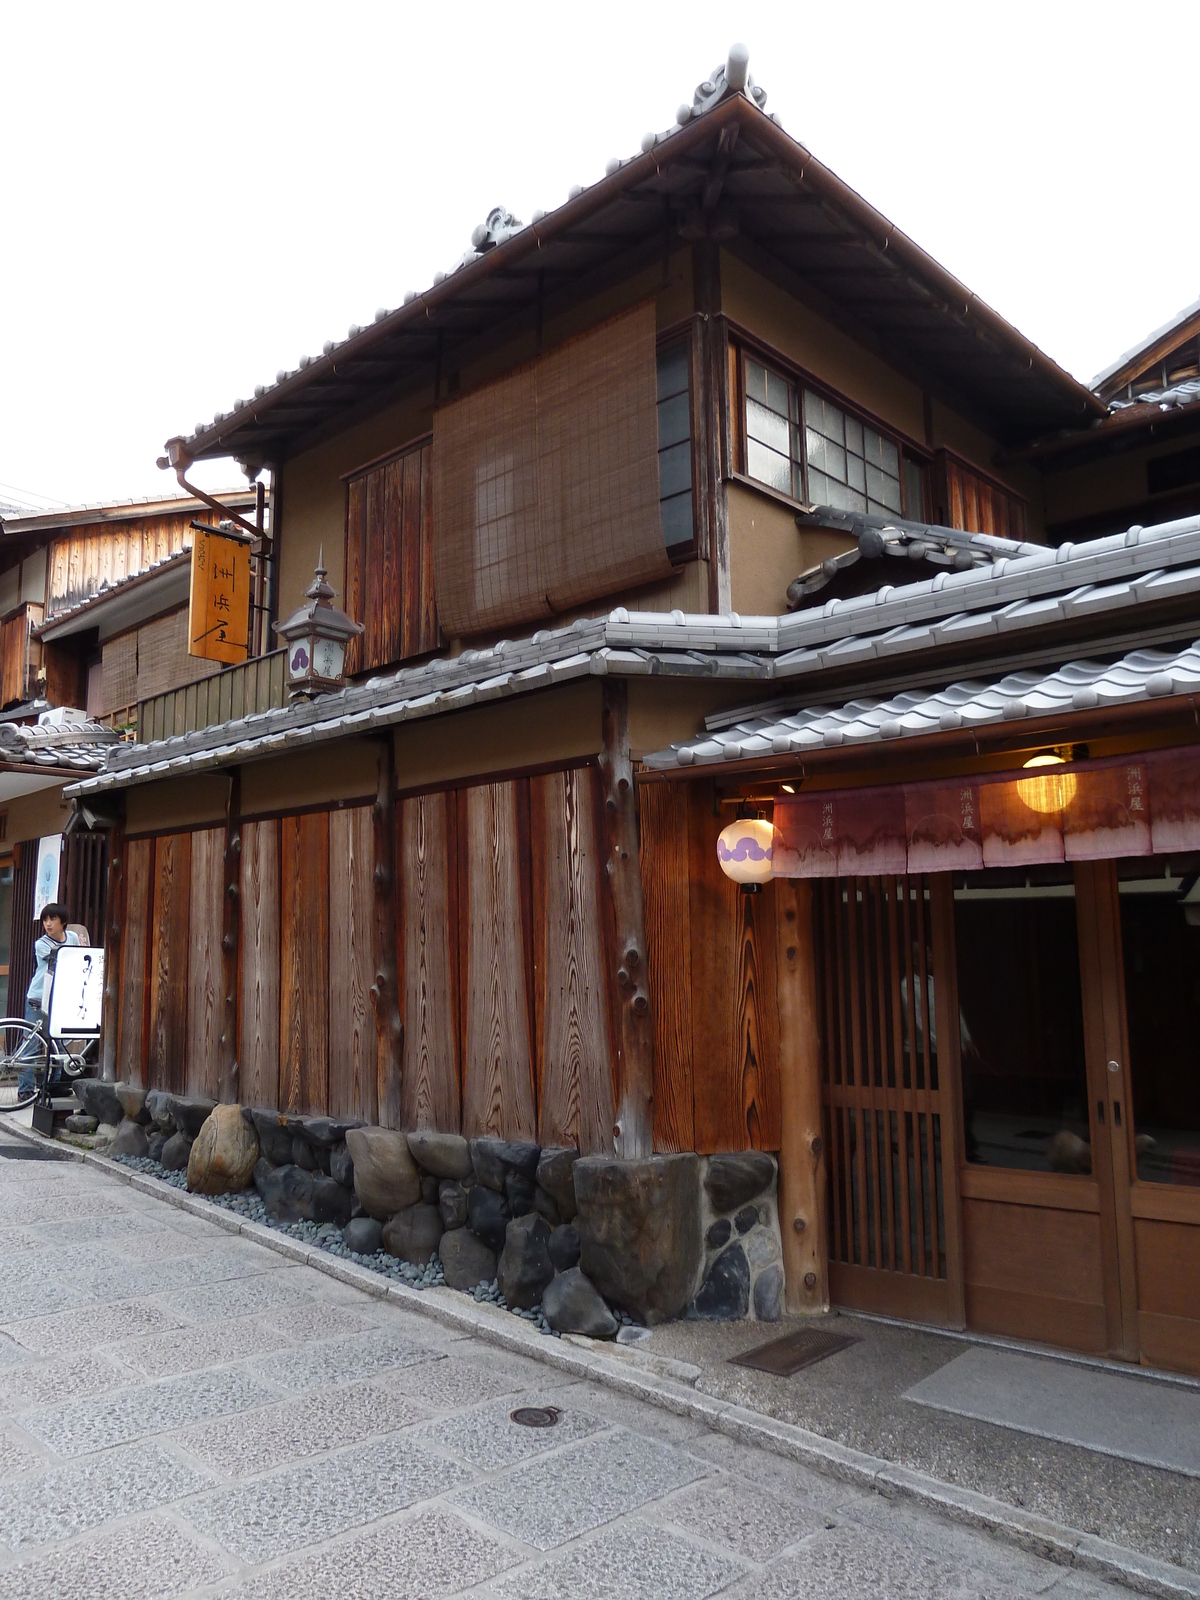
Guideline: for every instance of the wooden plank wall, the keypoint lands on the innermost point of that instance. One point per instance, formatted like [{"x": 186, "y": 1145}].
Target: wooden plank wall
[
  {"x": 389, "y": 560},
  {"x": 712, "y": 960},
  {"x": 353, "y": 1089},
  {"x": 503, "y": 938},
  {"x": 83, "y": 560},
  {"x": 575, "y": 1078},
  {"x": 430, "y": 1075},
  {"x": 258, "y": 1008},
  {"x": 169, "y": 935},
  {"x": 135, "y": 924},
  {"x": 304, "y": 963},
  {"x": 203, "y": 1058}
]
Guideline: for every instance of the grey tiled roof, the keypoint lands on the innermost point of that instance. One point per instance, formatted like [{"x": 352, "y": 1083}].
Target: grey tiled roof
[
  {"x": 1077, "y": 686},
  {"x": 77, "y": 747},
  {"x": 107, "y": 590},
  {"x": 1013, "y": 593},
  {"x": 1186, "y": 393}
]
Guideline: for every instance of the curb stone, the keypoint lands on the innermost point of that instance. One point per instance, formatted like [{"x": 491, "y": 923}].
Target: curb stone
[{"x": 1053, "y": 1541}]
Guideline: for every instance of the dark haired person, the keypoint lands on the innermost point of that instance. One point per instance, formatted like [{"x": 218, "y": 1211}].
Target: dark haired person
[{"x": 55, "y": 935}]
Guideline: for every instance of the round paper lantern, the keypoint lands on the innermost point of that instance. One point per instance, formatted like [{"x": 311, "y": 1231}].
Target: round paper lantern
[
  {"x": 744, "y": 850},
  {"x": 1050, "y": 791}
]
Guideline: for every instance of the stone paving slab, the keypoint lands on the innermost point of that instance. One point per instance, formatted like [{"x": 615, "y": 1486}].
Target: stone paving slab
[
  {"x": 71, "y": 1429},
  {"x": 148, "y": 1560},
  {"x": 53, "y": 1504},
  {"x": 432, "y": 1553},
  {"x": 78, "y": 1330},
  {"x": 309, "y": 1503},
  {"x": 343, "y": 1360},
  {"x": 244, "y": 1444},
  {"x": 486, "y": 1437},
  {"x": 546, "y": 1502},
  {"x": 216, "y": 1301},
  {"x": 631, "y": 1562}
]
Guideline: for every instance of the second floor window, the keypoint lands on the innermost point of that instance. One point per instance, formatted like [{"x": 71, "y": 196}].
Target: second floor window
[
  {"x": 675, "y": 445},
  {"x": 807, "y": 447}
]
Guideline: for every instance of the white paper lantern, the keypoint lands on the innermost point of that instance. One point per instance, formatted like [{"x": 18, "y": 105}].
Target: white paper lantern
[{"x": 744, "y": 850}]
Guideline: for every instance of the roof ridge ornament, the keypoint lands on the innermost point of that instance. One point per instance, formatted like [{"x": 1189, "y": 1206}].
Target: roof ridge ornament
[
  {"x": 731, "y": 78},
  {"x": 499, "y": 226}
]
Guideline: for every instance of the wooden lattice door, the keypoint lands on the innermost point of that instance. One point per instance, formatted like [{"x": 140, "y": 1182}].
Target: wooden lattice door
[{"x": 890, "y": 1091}]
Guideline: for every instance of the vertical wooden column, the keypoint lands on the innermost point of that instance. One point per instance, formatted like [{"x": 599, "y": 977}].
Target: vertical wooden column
[
  {"x": 803, "y": 1193},
  {"x": 633, "y": 1133},
  {"x": 946, "y": 1030},
  {"x": 231, "y": 925},
  {"x": 113, "y": 920},
  {"x": 385, "y": 991},
  {"x": 711, "y": 416}
]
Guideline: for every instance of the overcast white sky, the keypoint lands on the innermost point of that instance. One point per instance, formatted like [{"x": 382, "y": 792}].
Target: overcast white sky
[{"x": 193, "y": 197}]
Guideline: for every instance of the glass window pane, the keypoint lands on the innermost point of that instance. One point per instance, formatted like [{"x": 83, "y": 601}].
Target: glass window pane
[
  {"x": 672, "y": 370},
  {"x": 1024, "y": 1078},
  {"x": 675, "y": 469},
  {"x": 818, "y": 488},
  {"x": 824, "y": 417},
  {"x": 767, "y": 427},
  {"x": 872, "y": 447},
  {"x": 674, "y": 420},
  {"x": 1160, "y": 938},
  {"x": 768, "y": 466},
  {"x": 778, "y": 397},
  {"x": 854, "y": 435},
  {"x": 883, "y": 490},
  {"x": 889, "y": 458},
  {"x": 842, "y": 498},
  {"x": 756, "y": 382},
  {"x": 856, "y": 473},
  {"x": 677, "y": 523}
]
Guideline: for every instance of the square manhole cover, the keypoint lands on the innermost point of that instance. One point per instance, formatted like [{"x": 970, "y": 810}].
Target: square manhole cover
[{"x": 784, "y": 1356}]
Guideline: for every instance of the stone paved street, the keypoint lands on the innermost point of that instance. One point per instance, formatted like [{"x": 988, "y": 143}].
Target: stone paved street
[{"x": 183, "y": 1413}]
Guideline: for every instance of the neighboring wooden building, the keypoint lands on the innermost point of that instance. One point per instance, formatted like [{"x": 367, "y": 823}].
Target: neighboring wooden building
[
  {"x": 93, "y": 624},
  {"x": 570, "y": 493}
]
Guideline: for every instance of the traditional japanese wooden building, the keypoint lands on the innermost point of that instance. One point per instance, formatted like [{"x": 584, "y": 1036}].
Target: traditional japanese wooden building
[{"x": 709, "y": 496}]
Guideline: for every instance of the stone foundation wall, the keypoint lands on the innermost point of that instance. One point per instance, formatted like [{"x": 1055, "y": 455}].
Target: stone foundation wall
[{"x": 578, "y": 1243}]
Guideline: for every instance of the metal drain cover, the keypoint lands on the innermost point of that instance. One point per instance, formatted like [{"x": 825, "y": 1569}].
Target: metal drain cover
[
  {"x": 534, "y": 1416},
  {"x": 784, "y": 1356}
]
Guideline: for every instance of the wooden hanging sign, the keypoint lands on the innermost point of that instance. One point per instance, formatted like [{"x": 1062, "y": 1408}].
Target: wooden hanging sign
[{"x": 219, "y": 606}]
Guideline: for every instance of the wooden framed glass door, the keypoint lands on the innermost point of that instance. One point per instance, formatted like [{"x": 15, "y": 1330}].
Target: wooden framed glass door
[{"x": 1141, "y": 949}]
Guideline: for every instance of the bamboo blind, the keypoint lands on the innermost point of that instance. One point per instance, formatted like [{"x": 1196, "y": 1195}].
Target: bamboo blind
[
  {"x": 119, "y": 685},
  {"x": 546, "y": 482},
  {"x": 162, "y": 656}
]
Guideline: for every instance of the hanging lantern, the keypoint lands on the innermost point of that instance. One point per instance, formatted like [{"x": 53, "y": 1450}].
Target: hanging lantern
[
  {"x": 1050, "y": 792},
  {"x": 316, "y": 636},
  {"x": 744, "y": 851}
]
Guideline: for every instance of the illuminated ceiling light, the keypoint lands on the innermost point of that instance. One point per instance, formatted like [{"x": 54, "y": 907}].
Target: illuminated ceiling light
[
  {"x": 744, "y": 851},
  {"x": 787, "y": 788},
  {"x": 1051, "y": 792}
]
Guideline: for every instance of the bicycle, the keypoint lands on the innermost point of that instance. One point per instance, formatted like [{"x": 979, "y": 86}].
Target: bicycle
[{"x": 30, "y": 1060}]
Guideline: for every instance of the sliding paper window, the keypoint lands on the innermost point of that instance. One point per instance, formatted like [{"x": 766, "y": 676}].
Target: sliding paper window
[{"x": 675, "y": 445}]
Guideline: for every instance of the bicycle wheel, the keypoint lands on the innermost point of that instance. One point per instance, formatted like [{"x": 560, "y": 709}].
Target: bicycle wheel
[{"x": 23, "y": 1063}]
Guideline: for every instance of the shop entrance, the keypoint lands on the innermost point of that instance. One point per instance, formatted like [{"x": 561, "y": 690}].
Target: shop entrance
[{"x": 1011, "y": 1083}]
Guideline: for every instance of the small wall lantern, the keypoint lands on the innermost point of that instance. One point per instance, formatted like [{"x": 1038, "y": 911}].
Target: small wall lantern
[
  {"x": 744, "y": 851},
  {"x": 1050, "y": 791},
  {"x": 316, "y": 636}
]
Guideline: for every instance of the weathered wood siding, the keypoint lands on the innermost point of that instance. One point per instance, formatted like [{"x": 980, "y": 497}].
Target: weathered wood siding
[
  {"x": 389, "y": 560},
  {"x": 712, "y": 960},
  {"x": 84, "y": 559},
  {"x": 504, "y": 949}
]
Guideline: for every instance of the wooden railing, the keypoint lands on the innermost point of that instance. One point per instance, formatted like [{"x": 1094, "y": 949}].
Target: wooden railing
[{"x": 254, "y": 685}]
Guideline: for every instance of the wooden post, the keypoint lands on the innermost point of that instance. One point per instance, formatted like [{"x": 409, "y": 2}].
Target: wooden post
[
  {"x": 231, "y": 929},
  {"x": 385, "y": 991},
  {"x": 633, "y": 1134},
  {"x": 803, "y": 1220},
  {"x": 114, "y": 909}
]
